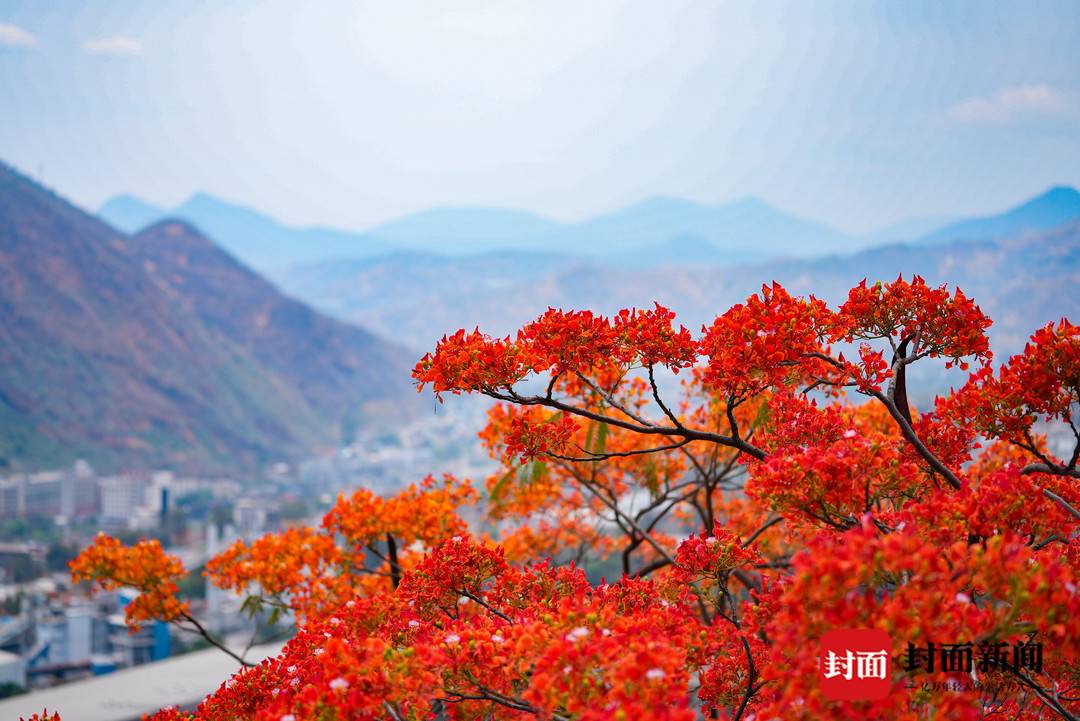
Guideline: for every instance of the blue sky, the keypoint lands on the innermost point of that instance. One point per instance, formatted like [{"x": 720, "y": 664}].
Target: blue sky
[{"x": 346, "y": 113}]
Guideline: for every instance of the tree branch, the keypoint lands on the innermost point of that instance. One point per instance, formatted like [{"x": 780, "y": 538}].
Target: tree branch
[
  {"x": 395, "y": 567},
  {"x": 201, "y": 630},
  {"x": 594, "y": 457},
  {"x": 656, "y": 395},
  {"x": 766, "y": 526},
  {"x": 909, "y": 433},
  {"x": 1045, "y": 696},
  {"x": 1061, "y": 502},
  {"x": 1052, "y": 468},
  {"x": 485, "y": 604},
  {"x": 688, "y": 433},
  {"x": 626, "y": 519}
]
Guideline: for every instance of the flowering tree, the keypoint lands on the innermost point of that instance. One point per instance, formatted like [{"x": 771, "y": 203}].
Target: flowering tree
[{"x": 750, "y": 514}]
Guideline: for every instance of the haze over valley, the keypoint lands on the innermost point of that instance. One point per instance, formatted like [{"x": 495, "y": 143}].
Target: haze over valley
[
  {"x": 424, "y": 275},
  {"x": 212, "y": 336}
]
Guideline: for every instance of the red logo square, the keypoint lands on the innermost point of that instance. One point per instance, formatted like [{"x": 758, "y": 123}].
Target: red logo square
[{"x": 855, "y": 664}]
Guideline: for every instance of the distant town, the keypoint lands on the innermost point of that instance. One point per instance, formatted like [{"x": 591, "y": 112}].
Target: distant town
[{"x": 53, "y": 631}]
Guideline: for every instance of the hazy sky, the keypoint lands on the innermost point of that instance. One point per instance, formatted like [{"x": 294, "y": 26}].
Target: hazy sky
[{"x": 345, "y": 113}]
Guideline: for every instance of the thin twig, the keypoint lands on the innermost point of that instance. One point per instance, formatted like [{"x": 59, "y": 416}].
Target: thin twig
[
  {"x": 766, "y": 526},
  {"x": 213, "y": 641}
]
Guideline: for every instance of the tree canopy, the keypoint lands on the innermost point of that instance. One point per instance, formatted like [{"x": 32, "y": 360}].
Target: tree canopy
[{"x": 788, "y": 488}]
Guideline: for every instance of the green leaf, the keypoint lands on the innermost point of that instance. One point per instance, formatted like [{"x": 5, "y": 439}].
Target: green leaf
[
  {"x": 761, "y": 420},
  {"x": 537, "y": 471},
  {"x": 251, "y": 605},
  {"x": 601, "y": 438},
  {"x": 650, "y": 478},
  {"x": 497, "y": 491}
]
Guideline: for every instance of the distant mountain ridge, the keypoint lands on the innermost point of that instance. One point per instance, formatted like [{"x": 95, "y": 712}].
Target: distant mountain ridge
[
  {"x": 748, "y": 226},
  {"x": 161, "y": 349},
  {"x": 1056, "y": 206},
  {"x": 130, "y": 214},
  {"x": 906, "y": 230},
  {"x": 253, "y": 237},
  {"x": 660, "y": 231},
  {"x": 632, "y": 236}
]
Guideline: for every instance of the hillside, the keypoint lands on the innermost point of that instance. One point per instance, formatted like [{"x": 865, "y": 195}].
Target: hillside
[
  {"x": 380, "y": 289},
  {"x": 1023, "y": 281},
  {"x": 163, "y": 350}
]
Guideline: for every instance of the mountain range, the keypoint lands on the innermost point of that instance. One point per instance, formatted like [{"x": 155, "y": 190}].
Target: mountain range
[
  {"x": 255, "y": 238},
  {"x": 148, "y": 340},
  {"x": 1022, "y": 280},
  {"x": 160, "y": 348},
  {"x": 679, "y": 231},
  {"x": 658, "y": 231}
]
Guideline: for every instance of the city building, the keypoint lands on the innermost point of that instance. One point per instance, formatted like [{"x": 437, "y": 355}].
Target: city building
[
  {"x": 12, "y": 670},
  {"x": 70, "y": 494}
]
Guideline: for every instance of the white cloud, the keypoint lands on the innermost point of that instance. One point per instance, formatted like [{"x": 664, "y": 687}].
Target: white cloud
[
  {"x": 114, "y": 45},
  {"x": 15, "y": 36},
  {"x": 1013, "y": 103}
]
